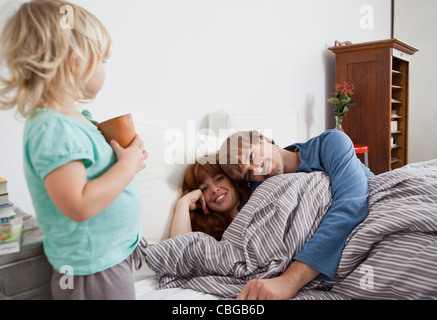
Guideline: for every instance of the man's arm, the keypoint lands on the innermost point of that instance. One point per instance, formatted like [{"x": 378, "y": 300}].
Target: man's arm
[
  {"x": 283, "y": 287},
  {"x": 320, "y": 256},
  {"x": 334, "y": 154}
]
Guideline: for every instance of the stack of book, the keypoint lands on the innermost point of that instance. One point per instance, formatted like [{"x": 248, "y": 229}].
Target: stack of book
[{"x": 10, "y": 225}]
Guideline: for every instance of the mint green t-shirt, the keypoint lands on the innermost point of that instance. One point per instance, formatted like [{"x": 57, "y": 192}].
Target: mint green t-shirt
[{"x": 52, "y": 139}]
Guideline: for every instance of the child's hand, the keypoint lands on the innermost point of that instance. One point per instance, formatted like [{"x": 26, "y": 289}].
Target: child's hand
[{"x": 133, "y": 156}]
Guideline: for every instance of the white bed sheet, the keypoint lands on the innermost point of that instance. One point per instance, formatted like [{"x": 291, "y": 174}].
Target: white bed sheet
[{"x": 146, "y": 289}]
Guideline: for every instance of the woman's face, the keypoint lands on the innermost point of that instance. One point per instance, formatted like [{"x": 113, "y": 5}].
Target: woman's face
[{"x": 220, "y": 193}]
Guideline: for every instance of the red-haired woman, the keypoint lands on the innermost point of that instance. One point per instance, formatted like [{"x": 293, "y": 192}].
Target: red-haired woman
[{"x": 210, "y": 199}]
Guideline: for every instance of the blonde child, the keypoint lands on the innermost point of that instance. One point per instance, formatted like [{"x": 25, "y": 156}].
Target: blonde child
[{"x": 86, "y": 201}]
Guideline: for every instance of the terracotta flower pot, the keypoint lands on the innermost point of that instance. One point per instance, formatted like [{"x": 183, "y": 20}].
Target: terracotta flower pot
[{"x": 121, "y": 129}]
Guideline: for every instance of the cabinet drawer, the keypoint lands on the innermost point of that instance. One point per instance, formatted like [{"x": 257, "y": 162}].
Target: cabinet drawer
[{"x": 26, "y": 279}]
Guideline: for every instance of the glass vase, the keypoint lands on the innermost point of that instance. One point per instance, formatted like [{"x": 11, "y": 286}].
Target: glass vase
[{"x": 338, "y": 121}]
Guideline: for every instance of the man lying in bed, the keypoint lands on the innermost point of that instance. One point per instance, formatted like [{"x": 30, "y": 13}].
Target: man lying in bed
[{"x": 250, "y": 156}]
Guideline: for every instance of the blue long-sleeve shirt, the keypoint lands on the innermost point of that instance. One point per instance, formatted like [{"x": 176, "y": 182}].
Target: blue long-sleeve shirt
[{"x": 333, "y": 152}]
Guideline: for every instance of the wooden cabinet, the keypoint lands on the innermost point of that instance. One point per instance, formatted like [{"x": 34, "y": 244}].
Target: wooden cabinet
[
  {"x": 25, "y": 275},
  {"x": 379, "y": 72}
]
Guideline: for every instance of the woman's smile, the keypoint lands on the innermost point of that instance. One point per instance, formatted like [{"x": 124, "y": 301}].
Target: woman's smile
[
  {"x": 221, "y": 198},
  {"x": 220, "y": 193}
]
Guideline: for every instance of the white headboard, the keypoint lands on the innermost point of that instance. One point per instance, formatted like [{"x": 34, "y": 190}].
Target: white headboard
[
  {"x": 279, "y": 124},
  {"x": 170, "y": 150}
]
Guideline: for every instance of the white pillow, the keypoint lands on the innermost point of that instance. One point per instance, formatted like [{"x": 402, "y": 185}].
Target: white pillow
[{"x": 170, "y": 150}]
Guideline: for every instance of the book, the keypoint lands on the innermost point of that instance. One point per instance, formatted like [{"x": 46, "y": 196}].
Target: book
[
  {"x": 7, "y": 210},
  {"x": 3, "y": 186},
  {"x": 6, "y": 219},
  {"x": 10, "y": 235},
  {"x": 4, "y": 198}
]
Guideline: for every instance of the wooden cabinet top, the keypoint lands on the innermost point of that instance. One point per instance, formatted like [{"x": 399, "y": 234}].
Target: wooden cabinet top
[{"x": 389, "y": 43}]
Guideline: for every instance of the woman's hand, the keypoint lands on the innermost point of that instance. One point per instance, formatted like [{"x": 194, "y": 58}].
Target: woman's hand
[
  {"x": 133, "y": 156},
  {"x": 181, "y": 222},
  {"x": 195, "y": 200}
]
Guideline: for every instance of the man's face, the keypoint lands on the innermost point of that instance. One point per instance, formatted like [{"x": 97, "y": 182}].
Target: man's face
[{"x": 260, "y": 162}]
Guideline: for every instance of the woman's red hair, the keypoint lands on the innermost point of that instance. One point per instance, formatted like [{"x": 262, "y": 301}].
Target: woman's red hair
[{"x": 214, "y": 223}]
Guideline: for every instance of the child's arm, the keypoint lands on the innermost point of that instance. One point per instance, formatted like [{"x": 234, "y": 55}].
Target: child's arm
[
  {"x": 79, "y": 199},
  {"x": 181, "y": 222}
]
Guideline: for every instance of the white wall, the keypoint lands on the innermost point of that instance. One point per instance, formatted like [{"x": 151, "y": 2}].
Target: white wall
[
  {"x": 175, "y": 61},
  {"x": 415, "y": 23}
]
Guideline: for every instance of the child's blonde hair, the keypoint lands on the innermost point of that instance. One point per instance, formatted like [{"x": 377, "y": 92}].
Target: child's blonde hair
[{"x": 36, "y": 48}]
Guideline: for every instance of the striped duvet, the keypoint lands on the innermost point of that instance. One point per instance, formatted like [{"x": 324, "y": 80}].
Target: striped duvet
[{"x": 391, "y": 255}]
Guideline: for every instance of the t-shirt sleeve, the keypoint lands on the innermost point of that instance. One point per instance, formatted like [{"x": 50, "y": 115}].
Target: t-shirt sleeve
[
  {"x": 349, "y": 187},
  {"x": 56, "y": 143}
]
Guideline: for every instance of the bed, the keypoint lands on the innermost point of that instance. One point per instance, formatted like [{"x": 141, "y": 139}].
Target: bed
[
  {"x": 391, "y": 255},
  {"x": 169, "y": 151}
]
